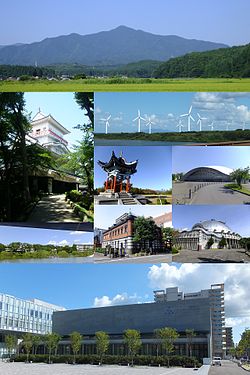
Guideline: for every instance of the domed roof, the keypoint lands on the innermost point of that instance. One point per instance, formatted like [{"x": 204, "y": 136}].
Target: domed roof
[
  {"x": 213, "y": 226},
  {"x": 221, "y": 169}
]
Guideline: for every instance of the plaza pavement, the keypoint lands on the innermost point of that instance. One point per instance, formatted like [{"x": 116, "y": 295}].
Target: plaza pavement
[
  {"x": 158, "y": 258},
  {"x": 53, "y": 208},
  {"x": 63, "y": 369},
  {"x": 209, "y": 193},
  {"x": 227, "y": 368},
  {"x": 212, "y": 256}
]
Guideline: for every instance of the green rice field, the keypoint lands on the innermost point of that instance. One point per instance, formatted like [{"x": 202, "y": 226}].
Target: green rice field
[{"x": 130, "y": 84}]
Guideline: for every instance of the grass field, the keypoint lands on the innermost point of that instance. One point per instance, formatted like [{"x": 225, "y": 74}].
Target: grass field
[{"x": 130, "y": 84}]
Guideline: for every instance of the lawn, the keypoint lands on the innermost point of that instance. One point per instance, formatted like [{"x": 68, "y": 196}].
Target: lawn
[
  {"x": 130, "y": 84},
  {"x": 241, "y": 189}
]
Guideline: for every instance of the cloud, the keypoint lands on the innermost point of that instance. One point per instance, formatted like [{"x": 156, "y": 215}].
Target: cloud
[
  {"x": 60, "y": 243},
  {"x": 119, "y": 299},
  {"x": 193, "y": 277},
  {"x": 77, "y": 233}
]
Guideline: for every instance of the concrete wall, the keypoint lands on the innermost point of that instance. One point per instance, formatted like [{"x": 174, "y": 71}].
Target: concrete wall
[{"x": 193, "y": 314}]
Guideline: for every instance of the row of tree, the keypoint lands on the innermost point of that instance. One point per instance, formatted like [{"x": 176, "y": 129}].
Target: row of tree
[
  {"x": 131, "y": 338},
  {"x": 243, "y": 348},
  {"x": 27, "y": 247},
  {"x": 15, "y": 71}
]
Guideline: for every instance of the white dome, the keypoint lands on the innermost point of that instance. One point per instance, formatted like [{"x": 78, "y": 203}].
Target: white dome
[{"x": 213, "y": 226}]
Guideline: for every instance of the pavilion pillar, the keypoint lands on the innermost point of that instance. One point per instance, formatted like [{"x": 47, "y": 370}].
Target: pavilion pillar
[
  {"x": 114, "y": 184},
  {"x": 128, "y": 185}
]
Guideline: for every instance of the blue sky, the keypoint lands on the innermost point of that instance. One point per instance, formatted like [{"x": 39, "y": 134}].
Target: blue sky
[
  {"x": 62, "y": 106},
  {"x": 153, "y": 168},
  {"x": 43, "y": 236},
  {"x": 186, "y": 158},
  {"x": 236, "y": 217},
  {"x": 227, "y": 111},
  {"x": 111, "y": 285},
  {"x": 105, "y": 217},
  {"x": 219, "y": 21}
]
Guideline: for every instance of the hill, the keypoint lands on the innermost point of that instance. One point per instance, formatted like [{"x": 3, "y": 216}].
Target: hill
[
  {"x": 122, "y": 45},
  {"x": 221, "y": 63}
]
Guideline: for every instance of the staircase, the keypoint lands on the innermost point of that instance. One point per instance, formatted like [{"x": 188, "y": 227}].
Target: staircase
[{"x": 126, "y": 198}]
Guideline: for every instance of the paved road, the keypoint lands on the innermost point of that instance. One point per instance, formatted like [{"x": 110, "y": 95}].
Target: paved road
[
  {"x": 52, "y": 208},
  {"x": 227, "y": 368},
  {"x": 217, "y": 194},
  {"x": 160, "y": 258},
  {"x": 61, "y": 369},
  {"x": 212, "y": 256}
]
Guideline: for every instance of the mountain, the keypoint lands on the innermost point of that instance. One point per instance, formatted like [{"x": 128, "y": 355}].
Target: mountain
[
  {"x": 118, "y": 46},
  {"x": 221, "y": 63}
]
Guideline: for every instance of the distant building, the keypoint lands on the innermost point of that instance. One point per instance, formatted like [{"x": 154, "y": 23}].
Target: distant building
[
  {"x": 229, "y": 339},
  {"x": 49, "y": 133},
  {"x": 209, "y": 174},
  {"x": 84, "y": 247},
  {"x": 98, "y": 237},
  {"x": 18, "y": 316},
  {"x": 164, "y": 220},
  {"x": 212, "y": 230},
  {"x": 120, "y": 236}
]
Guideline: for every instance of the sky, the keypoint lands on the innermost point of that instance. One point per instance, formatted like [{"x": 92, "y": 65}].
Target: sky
[
  {"x": 186, "y": 158},
  {"x": 153, "y": 168},
  {"x": 225, "y": 21},
  {"x": 105, "y": 217},
  {"x": 43, "y": 236},
  {"x": 83, "y": 286},
  {"x": 62, "y": 106},
  {"x": 235, "y": 216},
  {"x": 227, "y": 111}
]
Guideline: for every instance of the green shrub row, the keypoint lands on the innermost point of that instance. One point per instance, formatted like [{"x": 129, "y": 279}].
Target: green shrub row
[{"x": 181, "y": 361}]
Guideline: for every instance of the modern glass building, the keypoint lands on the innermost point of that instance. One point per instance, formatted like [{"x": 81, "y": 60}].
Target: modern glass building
[{"x": 18, "y": 316}]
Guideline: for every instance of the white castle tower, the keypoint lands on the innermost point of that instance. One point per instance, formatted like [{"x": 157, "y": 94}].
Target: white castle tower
[{"x": 49, "y": 133}]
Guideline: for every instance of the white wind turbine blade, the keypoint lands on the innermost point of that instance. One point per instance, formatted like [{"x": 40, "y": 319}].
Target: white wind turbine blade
[
  {"x": 191, "y": 117},
  {"x": 185, "y": 114},
  {"x": 190, "y": 109}
]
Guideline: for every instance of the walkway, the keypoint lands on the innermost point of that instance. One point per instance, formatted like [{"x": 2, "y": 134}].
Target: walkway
[
  {"x": 212, "y": 256},
  {"x": 51, "y": 209},
  {"x": 217, "y": 194}
]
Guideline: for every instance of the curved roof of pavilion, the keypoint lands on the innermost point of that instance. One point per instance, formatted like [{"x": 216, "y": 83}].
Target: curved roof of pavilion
[{"x": 119, "y": 163}]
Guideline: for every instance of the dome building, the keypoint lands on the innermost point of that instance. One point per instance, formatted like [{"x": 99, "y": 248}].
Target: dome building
[
  {"x": 208, "y": 234},
  {"x": 208, "y": 174}
]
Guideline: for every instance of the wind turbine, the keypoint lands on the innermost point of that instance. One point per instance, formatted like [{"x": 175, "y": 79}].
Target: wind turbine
[
  {"x": 200, "y": 119},
  {"x": 189, "y": 117},
  {"x": 149, "y": 124},
  {"x": 139, "y": 118},
  {"x": 211, "y": 125},
  {"x": 106, "y": 123},
  {"x": 244, "y": 125},
  {"x": 179, "y": 125}
]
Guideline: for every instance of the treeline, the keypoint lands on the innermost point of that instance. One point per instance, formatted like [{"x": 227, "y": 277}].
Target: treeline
[
  {"x": 233, "y": 62},
  {"x": 194, "y": 137},
  {"x": 15, "y": 71},
  {"x": 27, "y": 247}
]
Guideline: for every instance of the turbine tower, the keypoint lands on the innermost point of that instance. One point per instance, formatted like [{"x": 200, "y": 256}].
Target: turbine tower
[
  {"x": 189, "y": 117},
  {"x": 149, "y": 124},
  {"x": 139, "y": 118},
  {"x": 179, "y": 126},
  {"x": 211, "y": 125},
  {"x": 106, "y": 123},
  {"x": 200, "y": 119},
  {"x": 244, "y": 125}
]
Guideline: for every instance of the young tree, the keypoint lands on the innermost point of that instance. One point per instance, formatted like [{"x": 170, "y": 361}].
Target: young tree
[
  {"x": 222, "y": 243},
  {"x": 75, "y": 341},
  {"x": 210, "y": 242},
  {"x": 36, "y": 340},
  {"x": 190, "y": 334},
  {"x": 132, "y": 338},
  {"x": 11, "y": 343},
  {"x": 240, "y": 175},
  {"x": 168, "y": 336},
  {"x": 27, "y": 343},
  {"x": 102, "y": 343},
  {"x": 51, "y": 341}
]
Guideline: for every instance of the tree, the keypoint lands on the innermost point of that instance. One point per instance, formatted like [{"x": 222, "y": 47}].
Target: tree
[
  {"x": 36, "y": 340},
  {"x": 168, "y": 336},
  {"x": 222, "y": 243},
  {"x": 51, "y": 341},
  {"x": 76, "y": 341},
  {"x": 210, "y": 242},
  {"x": 11, "y": 343},
  {"x": 145, "y": 231},
  {"x": 132, "y": 338},
  {"x": 190, "y": 334},
  {"x": 244, "y": 344},
  {"x": 27, "y": 343},
  {"x": 86, "y": 102},
  {"x": 102, "y": 343},
  {"x": 240, "y": 175}
]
